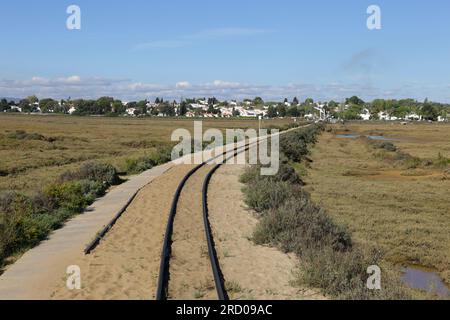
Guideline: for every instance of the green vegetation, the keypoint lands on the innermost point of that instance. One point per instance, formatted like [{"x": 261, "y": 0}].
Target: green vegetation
[
  {"x": 26, "y": 220},
  {"x": 54, "y": 166},
  {"x": 389, "y": 152},
  {"x": 138, "y": 165},
  {"x": 290, "y": 220}
]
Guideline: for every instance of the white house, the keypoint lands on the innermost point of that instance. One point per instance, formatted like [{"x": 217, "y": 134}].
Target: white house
[
  {"x": 365, "y": 115},
  {"x": 130, "y": 111},
  {"x": 382, "y": 115},
  {"x": 16, "y": 108},
  {"x": 413, "y": 117},
  {"x": 226, "y": 112},
  {"x": 72, "y": 110},
  {"x": 198, "y": 106}
]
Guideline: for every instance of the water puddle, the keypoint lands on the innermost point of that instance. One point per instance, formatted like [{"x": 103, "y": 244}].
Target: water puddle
[
  {"x": 425, "y": 279},
  {"x": 347, "y": 136},
  {"x": 381, "y": 138},
  {"x": 355, "y": 136}
]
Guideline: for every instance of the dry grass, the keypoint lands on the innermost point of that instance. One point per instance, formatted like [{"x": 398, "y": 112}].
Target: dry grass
[
  {"x": 404, "y": 212},
  {"x": 55, "y": 144}
]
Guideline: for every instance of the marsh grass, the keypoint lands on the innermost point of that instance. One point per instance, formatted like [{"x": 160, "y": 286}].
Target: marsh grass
[
  {"x": 403, "y": 212},
  {"x": 64, "y": 143},
  {"x": 290, "y": 220}
]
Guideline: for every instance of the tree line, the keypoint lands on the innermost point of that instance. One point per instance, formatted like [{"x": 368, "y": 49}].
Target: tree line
[{"x": 350, "y": 109}]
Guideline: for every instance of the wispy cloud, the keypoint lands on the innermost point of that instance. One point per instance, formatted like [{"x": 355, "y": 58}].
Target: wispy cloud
[{"x": 204, "y": 35}]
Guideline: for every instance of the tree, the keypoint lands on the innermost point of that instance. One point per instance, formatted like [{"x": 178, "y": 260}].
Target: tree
[
  {"x": 355, "y": 101},
  {"x": 25, "y": 105},
  {"x": 293, "y": 111},
  {"x": 157, "y": 101},
  {"x": 212, "y": 101},
  {"x": 103, "y": 105},
  {"x": 32, "y": 99},
  {"x": 429, "y": 112},
  {"x": 281, "y": 109},
  {"x": 118, "y": 107},
  {"x": 333, "y": 105},
  {"x": 272, "y": 112},
  {"x": 258, "y": 101},
  {"x": 167, "y": 110},
  {"x": 295, "y": 101},
  {"x": 142, "y": 106},
  {"x": 183, "y": 109},
  {"x": 351, "y": 114},
  {"x": 309, "y": 101},
  {"x": 49, "y": 105},
  {"x": 4, "y": 105},
  {"x": 211, "y": 109}
]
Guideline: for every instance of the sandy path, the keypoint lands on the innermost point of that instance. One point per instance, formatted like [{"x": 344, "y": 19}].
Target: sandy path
[
  {"x": 250, "y": 271},
  {"x": 126, "y": 263},
  {"x": 190, "y": 269}
]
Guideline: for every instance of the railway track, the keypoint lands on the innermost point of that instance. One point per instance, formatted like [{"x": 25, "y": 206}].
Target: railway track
[
  {"x": 164, "y": 272},
  {"x": 166, "y": 269}
]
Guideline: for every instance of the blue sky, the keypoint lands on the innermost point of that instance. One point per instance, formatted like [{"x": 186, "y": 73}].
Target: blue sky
[{"x": 274, "y": 49}]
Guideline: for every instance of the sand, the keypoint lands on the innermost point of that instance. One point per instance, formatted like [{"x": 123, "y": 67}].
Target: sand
[
  {"x": 126, "y": 263},
  {"x": 190, "y": 268},
  {"x": 251, "y": 272}
]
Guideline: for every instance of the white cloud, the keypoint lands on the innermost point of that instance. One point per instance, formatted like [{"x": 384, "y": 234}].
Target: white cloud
[
  {"x": 94, "y": 87},
  {"x": 72, "y": 79},
  {"x": 204, "y": 35},
  {"x": 225, "y": 85},
  {"x": 182, "y": 85}
]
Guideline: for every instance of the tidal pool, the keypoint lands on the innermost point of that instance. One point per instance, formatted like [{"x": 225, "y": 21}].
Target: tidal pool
[
  {"x": 425, "y": 279},
  {"x": 355, "y": 136}
]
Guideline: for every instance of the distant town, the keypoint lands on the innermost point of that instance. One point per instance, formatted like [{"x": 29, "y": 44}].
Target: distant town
[{"x": 352, "y": 108}]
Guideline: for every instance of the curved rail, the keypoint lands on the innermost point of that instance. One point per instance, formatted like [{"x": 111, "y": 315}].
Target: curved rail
[
  {"x": 217, "y": 273},
  {"x": 161, "y": 291},
  {"x": 163, "y": 280}
]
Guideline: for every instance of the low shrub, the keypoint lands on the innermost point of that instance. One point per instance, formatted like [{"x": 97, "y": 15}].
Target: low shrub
[
  {"x": 299, "y": 224},
  {"x": 23, "y": 135},
  {"x": 27, "y": 220},
  {"x": 287, "y": 173},
  {"x": 441, "y": 162},
  {"x": 343, "y": 275},
  {"x": 68, "y": 195},
  {"x": 263, "y": 194},
  {"x": 386, "y": 145},
  {"x": 103, "y": 173},
  {"x": 135, "y": 166},
  {"x": 293, "y": 148},
  {"x": 21, "y": 224},
  {"x": 163, "y": 154},
  {"x": 294, "y": 144},
  {"x": 250, "y": 174}
]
